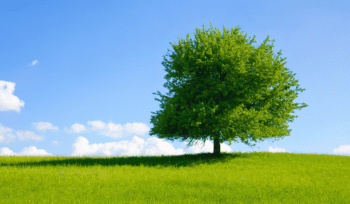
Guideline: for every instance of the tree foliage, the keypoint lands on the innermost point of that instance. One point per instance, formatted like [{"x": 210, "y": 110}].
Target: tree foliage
[{"x": 224, "y": 88}]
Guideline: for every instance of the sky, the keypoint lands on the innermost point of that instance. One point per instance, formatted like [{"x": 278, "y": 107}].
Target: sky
[{"x": 77, "y": 77}]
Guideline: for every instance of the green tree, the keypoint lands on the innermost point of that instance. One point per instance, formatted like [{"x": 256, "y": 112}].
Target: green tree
[{"x": 223, "y": 89}]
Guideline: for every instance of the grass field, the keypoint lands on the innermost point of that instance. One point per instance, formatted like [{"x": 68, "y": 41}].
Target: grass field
[{"x": 256, "y": 177}]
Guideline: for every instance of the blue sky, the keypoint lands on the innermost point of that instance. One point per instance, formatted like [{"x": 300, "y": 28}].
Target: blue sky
[{"x": 77, "y": 77}]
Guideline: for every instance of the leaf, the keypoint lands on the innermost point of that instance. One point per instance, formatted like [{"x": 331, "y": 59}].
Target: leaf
[{"x": 225, "y": 71}]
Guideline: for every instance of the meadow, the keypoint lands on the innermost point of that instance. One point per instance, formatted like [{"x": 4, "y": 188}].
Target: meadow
[{"x": 255, "y": 177}]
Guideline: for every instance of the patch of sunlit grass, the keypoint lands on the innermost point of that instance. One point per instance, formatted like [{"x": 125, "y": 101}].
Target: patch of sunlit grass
[{"x": 257, "y": 177}]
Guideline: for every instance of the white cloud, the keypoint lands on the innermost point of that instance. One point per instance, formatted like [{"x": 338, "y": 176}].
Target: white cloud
[
  {"x": 4, "y": 130},
  {"x": 274, "y": 150},
  {"x": 136, "y": 128},
  {"x": 111, "y": 130},
  {"x": 114, "y": 127},
  {"x": 136, "y": 147},
  {"x": 343, "y": 149},
  {"x": 27, "y": 151},
  {"x": 76, "y": 128},
  {"x": 8, "y": 101},
  {"x": 116, "y": 131},
  {"x": 6, "y": 135},
  {"x": 28, "y": 135},
  {"x": 34, "y": 63},
  {"x": 43, "y": 126},
  {"x": 277, "y": 150},
  {"x": 97, "y": 125},
  {"x": 6, "y": 152}
]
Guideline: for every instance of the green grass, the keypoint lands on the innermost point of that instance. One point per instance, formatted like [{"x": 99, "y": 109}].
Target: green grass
[{"x": 256, "y": 177}]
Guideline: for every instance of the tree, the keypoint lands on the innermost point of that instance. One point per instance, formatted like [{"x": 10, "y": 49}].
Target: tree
[{"x": 223, "y": 89}]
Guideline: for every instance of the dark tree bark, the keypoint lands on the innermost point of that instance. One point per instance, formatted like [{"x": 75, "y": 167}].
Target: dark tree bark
[{"x": 217, "y": 146}]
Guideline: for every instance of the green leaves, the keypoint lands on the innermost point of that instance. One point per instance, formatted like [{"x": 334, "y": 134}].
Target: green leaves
[{"x": 223, "y": 87}]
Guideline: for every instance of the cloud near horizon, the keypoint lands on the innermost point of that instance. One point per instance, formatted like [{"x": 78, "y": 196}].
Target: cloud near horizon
[
  {"x": 7, "y": 136},
  {"x": 135, "y": 147},
  {"x": 81, "y": 147}
]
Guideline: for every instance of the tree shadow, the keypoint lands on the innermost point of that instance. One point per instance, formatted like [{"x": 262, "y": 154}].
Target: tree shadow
[{"x": 176, "y": 161}]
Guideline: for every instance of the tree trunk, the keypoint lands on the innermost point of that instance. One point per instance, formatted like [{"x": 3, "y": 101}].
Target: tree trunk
[{"x": 217, "y": 146}]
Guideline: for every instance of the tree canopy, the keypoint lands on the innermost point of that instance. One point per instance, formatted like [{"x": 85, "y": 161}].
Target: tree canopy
[{"x": 224, "y": 88}]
